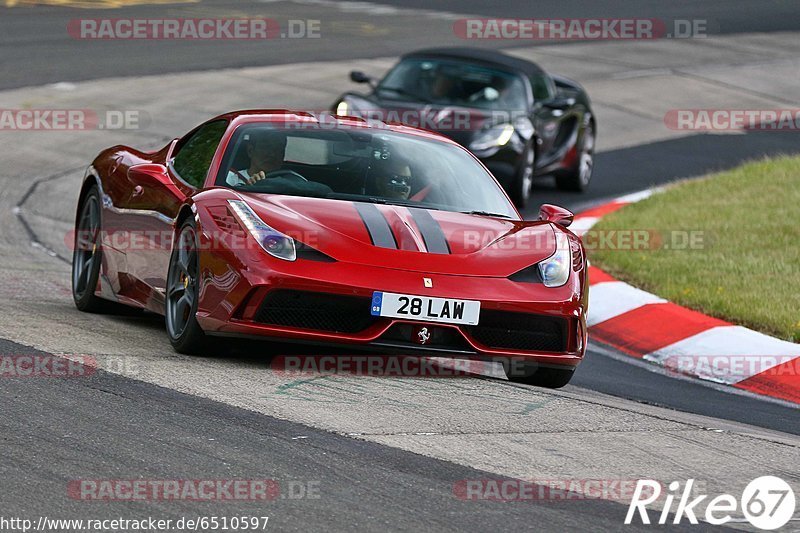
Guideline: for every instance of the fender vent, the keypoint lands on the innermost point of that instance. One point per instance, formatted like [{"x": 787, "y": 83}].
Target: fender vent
[{"x": 226, "y": 221}]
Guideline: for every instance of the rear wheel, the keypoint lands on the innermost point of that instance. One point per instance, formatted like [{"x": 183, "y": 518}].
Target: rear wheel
[
  {"x": 534, "y": 374},
  {"x": 184, "y": 332},
  {"x": 522, "y": 184},
  {"x": 87, "y": 256},
  {"x": 578, "y": 177}
]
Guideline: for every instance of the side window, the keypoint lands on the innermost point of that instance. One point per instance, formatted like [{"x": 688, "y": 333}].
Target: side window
[
  {"x": 194, "y": 156},
  {"x": 542, "y": 86}
]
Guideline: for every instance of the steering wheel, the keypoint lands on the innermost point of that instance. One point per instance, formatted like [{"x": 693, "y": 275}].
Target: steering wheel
[{"x": 288, "y": 174}]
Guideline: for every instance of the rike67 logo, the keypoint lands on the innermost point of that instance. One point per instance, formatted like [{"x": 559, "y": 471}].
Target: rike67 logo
[{"x": 767, "y": 502}]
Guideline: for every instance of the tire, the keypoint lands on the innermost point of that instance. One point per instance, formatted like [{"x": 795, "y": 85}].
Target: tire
[
  {"x": 185, "y": 333},
  {"x": 87, "y": 256},
  {"x": 577, "y": 179},
  {"x": 533, "y": 374},
  {"x": 522, "y": 183}
]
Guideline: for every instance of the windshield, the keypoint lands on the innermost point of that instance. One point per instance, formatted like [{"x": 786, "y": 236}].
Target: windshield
[
  {"x": 356, "y": 164},
  {"x": 454, "y": 83}
]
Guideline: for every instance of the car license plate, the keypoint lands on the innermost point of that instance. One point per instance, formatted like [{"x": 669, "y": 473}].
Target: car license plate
[{"x": 447, "y": 310}]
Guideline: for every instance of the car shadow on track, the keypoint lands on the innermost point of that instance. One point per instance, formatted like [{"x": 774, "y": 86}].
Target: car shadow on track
[{"x": 311, "y": 359}]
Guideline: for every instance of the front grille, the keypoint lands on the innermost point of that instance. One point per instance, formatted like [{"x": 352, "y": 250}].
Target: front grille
[
  {"x": 520, "y": 331},
  {"x": 315, "y": 310}
]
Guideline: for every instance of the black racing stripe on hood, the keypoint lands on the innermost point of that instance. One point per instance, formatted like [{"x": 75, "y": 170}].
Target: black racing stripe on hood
[
  {"x": 379, "y": 231},
  {"x": 432, "y": 233}
]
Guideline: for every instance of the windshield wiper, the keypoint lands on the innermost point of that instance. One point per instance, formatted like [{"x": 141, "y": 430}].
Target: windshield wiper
[
  {"x": 403, "y": 92},
  {"x": 380, "y": 200},
  {"x": 486, "y": 214},
  {"x": 401, "y": 203}
]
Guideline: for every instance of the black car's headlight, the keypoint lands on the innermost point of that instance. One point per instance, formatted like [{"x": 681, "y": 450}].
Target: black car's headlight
[
  {"x": 342, "y": 108},
  {"x": 493, "y": 137},
  {"x": 271, "y": 240}
]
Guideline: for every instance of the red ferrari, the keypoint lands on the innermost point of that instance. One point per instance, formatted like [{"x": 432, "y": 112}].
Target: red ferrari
[{"x": 331, "y": 230}]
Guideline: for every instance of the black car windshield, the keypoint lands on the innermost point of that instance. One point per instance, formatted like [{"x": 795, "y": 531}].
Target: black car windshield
[
  {"x": 359, "y": 164},
  {"x": 454, "y": 83}
]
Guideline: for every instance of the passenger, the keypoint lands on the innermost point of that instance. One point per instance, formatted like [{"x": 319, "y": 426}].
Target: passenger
[{"x": 393, "y": 179}]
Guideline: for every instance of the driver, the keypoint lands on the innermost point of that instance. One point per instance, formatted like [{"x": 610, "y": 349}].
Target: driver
[
  {"x": 265, "y": 150},
  {"x": 443, "y": 87},
  {"x": 393, "y": 179}
]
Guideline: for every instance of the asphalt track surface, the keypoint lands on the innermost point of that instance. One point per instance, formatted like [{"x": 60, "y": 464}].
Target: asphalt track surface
[
  {"x": 56, "y": 430},
  {"x": 35, "y": 48},
  {"x": 163, "y": 434}
]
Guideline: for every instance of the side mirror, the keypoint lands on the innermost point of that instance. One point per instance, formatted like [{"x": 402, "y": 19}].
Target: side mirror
[
  {"x": 559, "y": 102},
  {"x": 556, "y": 215},
  {"x": 357, "y": 76},
  {"x": 151, "y": 174}
]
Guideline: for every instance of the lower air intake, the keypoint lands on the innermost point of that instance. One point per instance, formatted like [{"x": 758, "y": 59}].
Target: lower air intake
[
  {"x": 315, "y": 310},
  {"x": 520, "y": 331}
]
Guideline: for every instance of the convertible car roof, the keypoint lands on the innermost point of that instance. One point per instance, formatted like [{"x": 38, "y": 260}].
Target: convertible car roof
[{"x": 480, "y": 55}]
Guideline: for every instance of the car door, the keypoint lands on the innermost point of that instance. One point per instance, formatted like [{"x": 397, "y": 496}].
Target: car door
[
  {"x": 158, "y": 194},
  {"x": 549, "y": 114}
]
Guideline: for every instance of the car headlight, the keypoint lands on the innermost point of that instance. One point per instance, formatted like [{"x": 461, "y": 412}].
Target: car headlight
[
  {"x": 493, "y": 137},
  {"x": 271, "y": 240},
  {"x": 342, "y": 108},
  {"x": 556, "y": 268}
]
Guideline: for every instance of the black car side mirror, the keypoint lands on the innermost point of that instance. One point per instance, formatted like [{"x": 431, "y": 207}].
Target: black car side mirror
[
  {"x": 559, "y": 102},
  {"x": 359, "y": 77}
]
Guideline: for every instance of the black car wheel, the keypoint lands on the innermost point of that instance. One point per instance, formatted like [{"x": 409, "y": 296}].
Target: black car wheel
[
  {"x": 184, "y": 332},
  {"x": 86, "y": 256},
  {"x": 522, "y": 184},
  {"x": 578, "y": 178},
  {"x": 533, "y": 374}
]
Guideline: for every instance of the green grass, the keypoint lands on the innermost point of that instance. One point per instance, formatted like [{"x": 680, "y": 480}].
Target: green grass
[{"x": 747, "y": 270}]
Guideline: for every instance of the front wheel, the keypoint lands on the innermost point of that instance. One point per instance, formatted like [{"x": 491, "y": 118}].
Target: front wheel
[
  {"x": 578, "y": 177},
  {"x": 522, "y": 184},
  {"x": 87, "y": 256},
  {"x": 533, "y": 374},
  {"x": 185, "y": 334}
]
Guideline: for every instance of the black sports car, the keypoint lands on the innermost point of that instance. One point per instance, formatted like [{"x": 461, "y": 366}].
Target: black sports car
[{"x": 519, "y": 120}]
